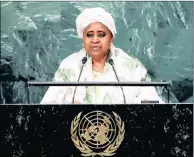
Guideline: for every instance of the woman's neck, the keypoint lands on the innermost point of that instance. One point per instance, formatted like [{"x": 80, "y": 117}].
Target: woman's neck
[{"x": 98, "y": 64}]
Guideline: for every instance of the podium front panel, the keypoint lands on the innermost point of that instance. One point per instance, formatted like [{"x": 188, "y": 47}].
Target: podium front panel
[{"x": 123, "y": 130}]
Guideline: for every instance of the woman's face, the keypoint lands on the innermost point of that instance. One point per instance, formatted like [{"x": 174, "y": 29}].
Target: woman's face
[{"x": 97, "y": 39}]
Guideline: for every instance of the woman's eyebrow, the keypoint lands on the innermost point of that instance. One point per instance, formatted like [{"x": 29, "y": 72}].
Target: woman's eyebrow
[
  {"x": 101, "y": 31},
  {"x": 90, "y": 32},
  {"x": 97, "y": 31}
]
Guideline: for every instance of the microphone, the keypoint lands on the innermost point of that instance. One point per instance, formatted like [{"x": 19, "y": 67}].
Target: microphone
[
  {"x": 111, "y": 62},
  {"x": 84, "y": 60}
]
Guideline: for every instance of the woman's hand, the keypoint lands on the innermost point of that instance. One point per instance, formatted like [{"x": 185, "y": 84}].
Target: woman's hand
[{"x": 77, "y": 102}]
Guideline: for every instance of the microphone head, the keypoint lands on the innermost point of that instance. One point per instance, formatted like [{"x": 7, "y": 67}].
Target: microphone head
[
  {"x": 84, "y": 60},
  {"x": 111, "y": 61}
]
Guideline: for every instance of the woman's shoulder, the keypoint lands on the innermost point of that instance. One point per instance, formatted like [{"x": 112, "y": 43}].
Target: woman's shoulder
[
  {"x": 69, "y": 67},
  {"x": 130, "y": 65},
  {"x": 73, "y": 59},
  {"x": 127, "y": 59}
]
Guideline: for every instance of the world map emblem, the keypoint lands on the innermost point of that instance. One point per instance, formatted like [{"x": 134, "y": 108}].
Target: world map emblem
[{"x": 97, "y": 133}]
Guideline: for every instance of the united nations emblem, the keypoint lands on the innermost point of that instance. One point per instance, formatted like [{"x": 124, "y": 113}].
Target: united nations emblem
[{"x": 97, "y": 133}]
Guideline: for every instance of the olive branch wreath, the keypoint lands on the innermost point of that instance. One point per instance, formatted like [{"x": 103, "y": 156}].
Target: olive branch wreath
[{"x": 86, "y": 151}]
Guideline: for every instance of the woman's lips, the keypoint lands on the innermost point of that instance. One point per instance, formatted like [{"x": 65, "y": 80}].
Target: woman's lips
[{"x": 95, "y": 48}]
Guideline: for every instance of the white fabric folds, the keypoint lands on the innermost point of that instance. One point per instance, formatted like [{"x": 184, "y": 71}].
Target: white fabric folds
[{"x": 128, "y": 69}]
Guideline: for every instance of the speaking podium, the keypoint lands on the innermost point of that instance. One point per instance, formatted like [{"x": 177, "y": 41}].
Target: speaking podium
[{"x": 96, "y": 130}]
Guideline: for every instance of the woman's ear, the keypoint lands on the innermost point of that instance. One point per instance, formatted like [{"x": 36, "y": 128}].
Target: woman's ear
[
  {"x": 112, "y": 40},
  {"x": 111, "y": 46}
]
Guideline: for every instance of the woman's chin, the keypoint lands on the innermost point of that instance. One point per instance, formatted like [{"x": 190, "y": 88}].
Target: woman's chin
[{"x": 95, "y": 53}]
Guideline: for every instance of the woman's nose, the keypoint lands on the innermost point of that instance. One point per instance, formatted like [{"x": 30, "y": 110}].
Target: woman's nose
[{"x": 95, "y": 39}]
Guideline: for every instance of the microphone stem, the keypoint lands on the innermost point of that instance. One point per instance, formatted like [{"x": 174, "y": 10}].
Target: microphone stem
[
  {"x": 121, "y": 86},
  {"x": 77, "y": 81}
]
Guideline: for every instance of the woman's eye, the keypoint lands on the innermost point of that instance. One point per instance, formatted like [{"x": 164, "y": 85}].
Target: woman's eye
[
  {"x": 89, "y": 35},
  {"x": 102, "y": 34}
]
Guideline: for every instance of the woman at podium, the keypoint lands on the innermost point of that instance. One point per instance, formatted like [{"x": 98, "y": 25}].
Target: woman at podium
[{"x": 99, "y": 61}]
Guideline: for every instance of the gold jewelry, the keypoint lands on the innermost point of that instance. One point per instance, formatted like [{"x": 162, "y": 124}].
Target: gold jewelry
[{"x": 97, "y": 70}]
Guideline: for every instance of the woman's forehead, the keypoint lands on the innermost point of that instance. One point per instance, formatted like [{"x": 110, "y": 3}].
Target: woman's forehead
[{"x": 96, "y": 26}]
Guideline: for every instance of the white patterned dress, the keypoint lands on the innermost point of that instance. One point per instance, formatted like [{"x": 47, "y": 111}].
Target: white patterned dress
[{"x": 128, "y": 69}]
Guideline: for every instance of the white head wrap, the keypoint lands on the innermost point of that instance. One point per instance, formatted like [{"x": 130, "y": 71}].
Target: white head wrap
[{"x": 91, "y": 15}]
